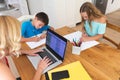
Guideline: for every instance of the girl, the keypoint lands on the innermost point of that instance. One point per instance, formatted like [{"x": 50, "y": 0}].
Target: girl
[{"x": 94, "y": 22}]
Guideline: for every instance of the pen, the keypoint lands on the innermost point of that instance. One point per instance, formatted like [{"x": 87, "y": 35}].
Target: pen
[
  {"x": 74, "y": 42},
  {"x": 79, "y": 43}
]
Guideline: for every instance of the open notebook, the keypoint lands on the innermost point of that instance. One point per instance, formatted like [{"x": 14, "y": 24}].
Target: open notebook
[
  {"x": 77, "y": 35},
  {"x": 33, "y": 45}
]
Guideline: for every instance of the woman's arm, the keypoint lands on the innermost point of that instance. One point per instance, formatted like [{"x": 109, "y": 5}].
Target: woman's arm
[
  {"x": 33, "y": 39},
  {"x": 41, "y": 66},
  {"x": 31, "y": 52},
  {"x": 5, "y": 73}
]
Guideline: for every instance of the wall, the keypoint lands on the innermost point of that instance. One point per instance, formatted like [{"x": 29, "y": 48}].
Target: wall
[
  {"x": 12, "y": 1},
  {"x": 23, "y": 7},
  {"x": 11, "y": 11},
  {"x": 35, "y": 6},
  {"x": 20, "y": 4},
  {"x": 112, "y": 6},
  {"x": 60, "y": 12}
]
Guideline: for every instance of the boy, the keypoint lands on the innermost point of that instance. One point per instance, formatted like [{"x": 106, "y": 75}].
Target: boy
[{"x": 34, "y": 27}]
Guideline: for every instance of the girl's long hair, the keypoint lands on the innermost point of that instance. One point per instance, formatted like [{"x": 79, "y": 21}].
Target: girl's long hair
[{"x": 91, "y": 11}]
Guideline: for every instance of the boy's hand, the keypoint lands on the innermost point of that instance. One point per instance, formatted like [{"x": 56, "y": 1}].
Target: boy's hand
[
  {"x": 43, "y": 36},
  {"x": 35, "y": 39}
]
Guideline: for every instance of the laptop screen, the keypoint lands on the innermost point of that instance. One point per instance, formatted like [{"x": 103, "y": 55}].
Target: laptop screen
[{"x": 56, "y": 43}]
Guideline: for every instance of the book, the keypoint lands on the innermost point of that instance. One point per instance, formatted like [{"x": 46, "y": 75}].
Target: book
[{"x": 75, "y": 71}]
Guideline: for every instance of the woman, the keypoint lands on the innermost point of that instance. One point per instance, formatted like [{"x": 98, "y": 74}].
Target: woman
[
  {"x": 10, "y": 37},
  {"x": 94, "y": 22}
]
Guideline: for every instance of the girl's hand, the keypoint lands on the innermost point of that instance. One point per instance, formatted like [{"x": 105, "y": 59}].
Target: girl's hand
[
  {"x": 84, "y": 35},
  {"x": 85, "y": 38}
]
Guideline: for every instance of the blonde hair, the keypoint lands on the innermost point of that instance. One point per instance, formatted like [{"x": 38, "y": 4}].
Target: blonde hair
[{"x": 10, "y": 36}]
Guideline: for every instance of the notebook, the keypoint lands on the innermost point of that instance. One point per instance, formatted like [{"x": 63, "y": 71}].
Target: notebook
[
  {"x": 54, "y": 49},
  {"x": 77, "y": 35},
  {"x": 33, "y": 45},
  {"x": 72, "y": 71}
]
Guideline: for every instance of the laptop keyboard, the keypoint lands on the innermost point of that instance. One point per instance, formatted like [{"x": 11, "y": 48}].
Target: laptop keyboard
[{"x": 45, "y": 53}]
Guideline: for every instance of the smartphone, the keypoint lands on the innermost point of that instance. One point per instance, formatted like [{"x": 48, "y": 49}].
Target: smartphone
[{"x": 60, "y": 75}]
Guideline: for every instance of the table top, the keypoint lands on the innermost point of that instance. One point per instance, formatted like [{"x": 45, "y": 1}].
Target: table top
[{"x": 101, "y": 61}]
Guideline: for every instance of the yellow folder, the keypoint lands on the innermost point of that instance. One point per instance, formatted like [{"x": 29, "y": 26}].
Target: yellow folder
[{"x": 75, "y": 69}]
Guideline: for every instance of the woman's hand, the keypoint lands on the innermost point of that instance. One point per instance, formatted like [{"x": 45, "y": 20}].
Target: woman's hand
[
  {"x": 31, "y": 52},
  {"x": 44, "y": 63}
]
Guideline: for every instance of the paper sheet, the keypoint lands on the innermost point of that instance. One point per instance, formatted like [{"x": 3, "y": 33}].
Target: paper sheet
[
  {"x": 33, "y": 45},
  {"x": 77, "y": 35}
]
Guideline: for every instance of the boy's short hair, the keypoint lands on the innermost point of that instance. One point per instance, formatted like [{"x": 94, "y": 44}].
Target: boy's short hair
[{"x": 43, "y": 17}]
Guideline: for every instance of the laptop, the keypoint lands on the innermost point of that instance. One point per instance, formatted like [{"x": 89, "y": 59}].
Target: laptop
[{"x": 54, "y": 49}]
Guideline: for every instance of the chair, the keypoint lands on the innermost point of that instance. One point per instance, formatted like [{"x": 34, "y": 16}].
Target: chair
[
  {"x": 113, "y": 36},
  {"x": 113, "y": 26},
  {"x": 25, "y": 17},
  {"x": 112, "y": 41}
]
